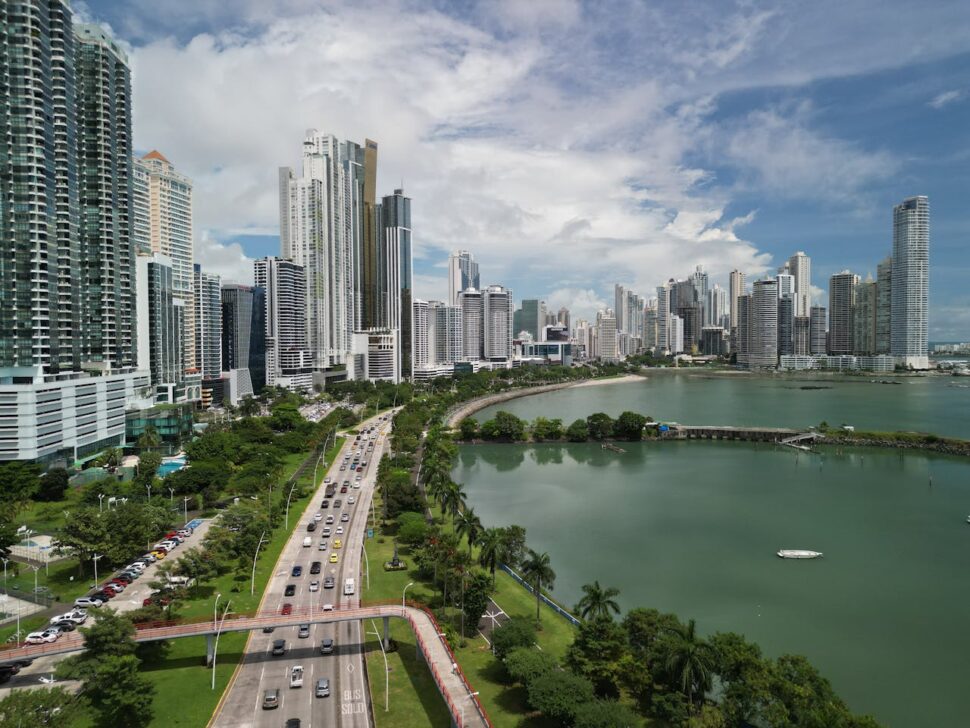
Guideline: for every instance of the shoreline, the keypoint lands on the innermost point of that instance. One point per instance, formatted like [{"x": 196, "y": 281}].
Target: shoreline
[{"x": 623, "y": 379}]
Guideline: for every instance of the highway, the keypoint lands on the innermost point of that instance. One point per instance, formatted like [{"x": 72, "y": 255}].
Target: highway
[{"x": 260, "y": 671}]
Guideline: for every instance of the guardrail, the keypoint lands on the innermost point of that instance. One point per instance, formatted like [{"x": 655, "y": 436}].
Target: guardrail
[{"x": 546, "y": 600}]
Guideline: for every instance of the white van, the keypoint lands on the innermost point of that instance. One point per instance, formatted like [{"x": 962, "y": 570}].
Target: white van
[
  {"x": 307, "y": 542},
  {"x": 349, "y": 587}
]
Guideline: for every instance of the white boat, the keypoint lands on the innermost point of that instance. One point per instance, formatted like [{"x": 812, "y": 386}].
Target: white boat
[{"x": 799, "y": 554}]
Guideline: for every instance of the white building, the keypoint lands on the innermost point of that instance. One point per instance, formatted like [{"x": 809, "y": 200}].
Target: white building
[
  {"x": 462, "y": 274},
  {"x": 800, "y": 267},
  {"x": 911, "y": 282},
  {"x": 736, "y": 289},
  {"x": 289, "y": 363},
  {"x": 663, "y": 320},
  {"x": 472, "y": 322},
  {"x": 763, "y": 332},
  {"x": 208, "y": 323},
  {"x": 376, "y": 355},
  {"x": 675, "y": 330},
  {"x": 498, "y": 308}
]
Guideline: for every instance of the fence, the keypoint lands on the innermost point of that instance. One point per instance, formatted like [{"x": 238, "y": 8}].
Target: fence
[
  {"x": 43, "y": 598},
  {"x": 549, "y": 603}
]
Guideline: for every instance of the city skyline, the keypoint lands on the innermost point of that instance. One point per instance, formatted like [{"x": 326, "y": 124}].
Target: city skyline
[{"x": 755, "y": 149}]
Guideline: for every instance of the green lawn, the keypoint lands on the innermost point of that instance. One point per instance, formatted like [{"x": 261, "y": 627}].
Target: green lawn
[{"x": 60, "y": 577}]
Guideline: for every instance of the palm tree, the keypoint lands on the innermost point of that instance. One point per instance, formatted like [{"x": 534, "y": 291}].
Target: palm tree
[
  {"x": 490, "y": 543},
  {"x": 470, "y": 526},
  {"x": 149, "y": 438},
  {"x": 538, "y": 573},
  {"x": 690, "y": 661},
  {"x": 452, "y": 498},
  {"x": 598, "y": 602},
  {"x": 249, "y": 407}
]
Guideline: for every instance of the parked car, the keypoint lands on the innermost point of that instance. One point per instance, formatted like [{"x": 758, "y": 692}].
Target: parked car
[
  {"x": 64, "y": 625},
  {"x": 75, "y": 616},
  {"x": 39, "y": 638},
  {"x": 85, "y": 602}
]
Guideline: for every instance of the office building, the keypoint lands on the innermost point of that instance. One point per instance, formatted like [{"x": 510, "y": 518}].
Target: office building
[
  {"x": 395, "y": 281},
  {"x": 562, "y": 318},
  {"x": 842, "y": 289},
  {"x": 531, "y": 318},
  {"x": 472, "y": 321},
  {"x": 763, "y": 323},
  {"x": 606, "y": 336},
  {"x": 243, "y": 339},
  {"x": 376, "y": 355},
  {"x": 650, "y": 326},
  {"x": 163, "y": 212},
  {"x": 462, "y": 274},
  {"x": 736, "y": 289},
  {"x": 910, "y": 283},
  {"x": 712, "y": 341},
  {"x": 786, "y": 325},
  {"x": 864, "y": 318},
  {"x": 497, "y": 306},
  {"x": 289, "y": 361},
  {"x": 208, "y": 323},
  {"x": 801, "y": 336},
  {"x": 699, "y": 281},
  {"x": 59, "y": 319},
  {"x": 800, "y": 268},
  {"x": 423, "y": 326},
  {"x": 818, "y": 337},
  {"x": 884, "y": 287},
  {"x": 628, "y": 309},
  {"x": 716, "y": 307}
]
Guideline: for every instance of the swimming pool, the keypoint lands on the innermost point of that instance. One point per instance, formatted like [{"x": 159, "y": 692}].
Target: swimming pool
[{"x": 171, "y": 465}]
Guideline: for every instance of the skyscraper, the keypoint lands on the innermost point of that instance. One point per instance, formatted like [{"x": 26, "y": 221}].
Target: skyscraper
[
  {"x": 532, "y": 317},
  {"x": 763, "y": 334},
  {"x": 884, "y": 304},
  {"x": 497, "y": 328},
  {"x": 606, "y": 336},
  {"x": 842, "y": 290},
  {"x": 735, "y": 290},
  {"x": 423, "y": 327},
  {"x": 163, "y": 209},
  {"x": 289, "y": 362},
  {"x": 107, "y": 257},
  {"x": 699, "y": 280},
  {"x": 864, "y": 318},
  {"x": 663, "y": 318},
  {"x": 244, "y": 337},
  {"x": 161, "y": 323},
  {"x": 800, "y": 267},
  {"x": 446, "y": 327},
  {"x": 910, "y": 282},
  {"x": 472, "y": 321},
  {"x": 208, "y": 323},
  {"x": 462, "y": 274},
  {"x": 786, "y": 325},
  {"x": 802, "y": 336},
  {"x": 817, "y": 332},
  {"x": 742, "y": 337},
  {"x": 396, "y": 277}
]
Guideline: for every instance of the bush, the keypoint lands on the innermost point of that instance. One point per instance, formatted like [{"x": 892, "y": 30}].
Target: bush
[
  {"x": 559, "y": 695},
  {"x": 605, "y": 714},
  {"x": 578, "y": 431},
  {"x": 525, "y": 664},
  {"x": 411, "y": 528},
  {"x": 512, "y": 634}
]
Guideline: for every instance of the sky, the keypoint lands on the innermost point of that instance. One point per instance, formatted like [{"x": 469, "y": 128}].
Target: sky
[{"x": 573, "y": 145}]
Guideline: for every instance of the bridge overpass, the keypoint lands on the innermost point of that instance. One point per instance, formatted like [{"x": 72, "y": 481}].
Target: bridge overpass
[{"x": 463, "y": 703}]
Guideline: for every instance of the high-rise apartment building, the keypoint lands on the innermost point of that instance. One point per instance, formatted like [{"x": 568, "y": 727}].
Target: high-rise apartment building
[
  {"x": 716, "y": 307},
  {"x": 606, "y": 336},
  {"x": 462, "y": 274},
  {"x": 818, "y": 338},
  {"x": 864, "y": 318},
  {"x": 289, "y": 361},
  {"x": 911, "y": 282},
  {"x": 628, "y": 309},
  {"x": 160, "y": 313},
  {"x": 395, "y": 283},
  {"x": 736, "y": 289},
  {"x": 763, "y": 319},
  {"x": 562, "y": 318},
  {"x": 800, "y": 268},
  {"x": 208, "y": 323},
  {"x": 472, "y": 321},
  {"x": 423, "y": 327},
  {"x": 786, "y": 325},
  {"x": 497, "y": 305},
  {"x": 107, "y": 256},
  {"x": 163, "y": 210},
  {"x": 742, "y": 336},
  {"x": 802, "y": 336},
  {"x": 884, "y": 302},
  {"x": 842, "y": 290},
  {"x": 663, "y": 317},
  {"x": 58, "y": 313}
]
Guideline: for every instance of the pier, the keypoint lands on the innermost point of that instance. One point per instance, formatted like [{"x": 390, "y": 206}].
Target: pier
[{"x": 779, "y": 435}]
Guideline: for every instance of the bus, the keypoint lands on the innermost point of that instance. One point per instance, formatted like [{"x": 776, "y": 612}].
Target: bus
[{"x": 348, "y": 587}]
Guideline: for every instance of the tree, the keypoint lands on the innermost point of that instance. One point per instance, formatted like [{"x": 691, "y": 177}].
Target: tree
[
  {"x": 600, "y": 426},
  {"x": 84, "y": 534},
  {"x": 452, "y": 499},
  {"x": 745, "y": 677},
  {"x": 597, "y": 654},
  {"x": 598, "y": 602},
  {"x": 148, "y": 464},
  {"x": 544, "y": 429},
  {"x": 525, "y": 664},
  {"x": 578, "y": 431},
  {"x": 476, "y": 598},
  {"x": 412, "y": 529},
  {"x": 40, "y": 708},
  {"x": 122, "y": 695},
  {"x": 629, "y": 426},
  {"x": 690, "y": 663},
  {"x": 605, "y": 714},
  {"x": 52, "y": 485},
  {"x": 249, "y": 407},
  {"x": 285, "y": 416},
  {"x": 468, "y": 429},
  {"x": 109, "y": 459},
  {"x": 469, "y": 526},
  {"x": 149, "y": 438},
  {"x": 19, "y": 482},
  {"x": 644, "y": 629},
  {"x": 505, "y": 427},
  {"x": 514, "y": 633},
  {"x": 8, "y": 535},
  {"x": 559, "y": 695},
  {"x": 490, "y": 549},
  {"x": 513, "y": 546},
  {"x": 537, "y": 572}
]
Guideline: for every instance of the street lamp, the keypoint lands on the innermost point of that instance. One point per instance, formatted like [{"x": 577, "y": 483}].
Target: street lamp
[
  {"x": 288, "y": 496},
  {"x": 403, "y": 605},
  {"x": 363, "y": 550},
  {"x": 215, "y": 647},
  {"x": 101, "y": 502},
  {"x": 171, "y": 495},
  {"x": 252, "y": 585},
  {"x": 215, "y": 610},
  {"x": 149, "y": 489},
  {"x": 467, "y": 697},
  {"x": 36, "y": 568},
  {"x": 96, "y": 558}
]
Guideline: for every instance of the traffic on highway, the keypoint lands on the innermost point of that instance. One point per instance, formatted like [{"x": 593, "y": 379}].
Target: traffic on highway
[{"x": 312, "y": 674}]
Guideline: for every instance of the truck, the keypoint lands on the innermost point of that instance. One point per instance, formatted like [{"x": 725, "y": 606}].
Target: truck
[
  {"x": 331, "y": 490},
  {"x": 296, "y": 676},
  {"x": 349, "y": 587}
]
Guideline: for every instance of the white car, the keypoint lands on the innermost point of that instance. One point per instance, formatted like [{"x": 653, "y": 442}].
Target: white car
[
  {"x": 77, "y": 616},
  {"x": 136, "y": 566},
  {"x": 340, "y": 530},
  {"x": 328, "y": 607},
  {"x": 314, "y": 586},
  {"x": 351, "y": 500},
  {"x": 85, "y": 602},
  {"x": 39, "y": 638},
  {"x": 344, "y": 517},
  {"x": 318, "y": 517}
]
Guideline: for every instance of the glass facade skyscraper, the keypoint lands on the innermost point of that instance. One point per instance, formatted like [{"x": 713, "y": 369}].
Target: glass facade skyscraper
[{"x": 910, "y": 282}]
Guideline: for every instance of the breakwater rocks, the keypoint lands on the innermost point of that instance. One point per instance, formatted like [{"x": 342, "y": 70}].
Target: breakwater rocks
[
  {"x": 904, "y": 441},
  {"x": 466, "y": 409}
]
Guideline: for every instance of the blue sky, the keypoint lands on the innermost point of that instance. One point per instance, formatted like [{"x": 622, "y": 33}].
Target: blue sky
[{"x": 572, "y": 145}]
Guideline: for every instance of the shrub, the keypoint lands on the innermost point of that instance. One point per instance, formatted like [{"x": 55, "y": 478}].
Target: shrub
[{"x": 512, "y": 634}]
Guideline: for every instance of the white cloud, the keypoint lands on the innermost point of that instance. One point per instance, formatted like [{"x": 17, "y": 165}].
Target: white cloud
[
  {"x": 227, "y": 260},
  {"x": 581, "y": 302},
  {"x": 946, "y": 98}
]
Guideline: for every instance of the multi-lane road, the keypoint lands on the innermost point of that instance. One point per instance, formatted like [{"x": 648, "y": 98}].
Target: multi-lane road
[{"x": 242, "y": 706}]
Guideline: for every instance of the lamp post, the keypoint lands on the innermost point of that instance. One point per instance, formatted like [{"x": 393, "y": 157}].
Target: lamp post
[
  {"x": 215, "y": 610},
  {"x": 467, "y": 697},
  {"x": 403, "y": 604},
  {"x": 185, "y": 508},
  {"x": 101, "y": 502},
  {"x": 4, "y": 574},
  {"x": 215, "y": 647},
  {"x": 363, "y": 550},
  {"x": 289, "y": 495},
  {"x": 36, "y": 568},
  {"x": 171, "y": 495},
  {"x": 252, "y": 584},
  {"x": 96, "y": 558},
  {"x": 149, "y": 489}
]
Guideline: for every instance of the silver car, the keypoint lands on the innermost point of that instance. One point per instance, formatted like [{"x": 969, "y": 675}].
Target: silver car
[{"x": 323, "y": 688}]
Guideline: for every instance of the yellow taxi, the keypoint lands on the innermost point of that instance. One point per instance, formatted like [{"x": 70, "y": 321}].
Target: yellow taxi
[
  {"x": 159, "y": 554},
  {"x": 333, "y": 558},
  {"x": 337, "y": 544}
]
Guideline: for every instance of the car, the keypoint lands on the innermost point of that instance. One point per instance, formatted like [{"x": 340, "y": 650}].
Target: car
[
  {"x": 296, "y": 676},
  {"x": 85, "y": 602},
  {"x": 150, "y": 557},
  {"x": 337, "y": 543},
  {"x": 40, "y": 638},
  {"x": 159, "y": 555},
  {"x": 328, "y": 582},
  {"x": 343, "y": 467},
  {"x": 340, "y": 530},
  {"x": 337, "y": 503},
  {"x": 122, "y": 579},
  {"x": 269, "y": 629},
  {"x": 351, "y": 500},
  {"x": 317, "y": 517},
  {"x": 328, "y": 607},
  {"x": 8, "y": 671},
  {"x": 75, "y": 616},
  {"x": 326, "y": 532},
  {"x": 292, "y": 723},
  {"x": 136, "y": 566},
  {"x": 314, "y": 585},
  {"x": 104, "y": 595},
  {"x": 324, "y": 504},
  {"x": 323, "y": 688},
  {"x": 290, "y": 590},
  {"x": 346, "y": 482},
  {"x": 287, "y": 608},
  {"x": 344, "y": 517},
  {"x": 116, "y": 588},
  {"x": 343, "y": 488},
  {"x": 333, "y": 558},
  {"x": 315, "y": 567},
  {"x": 297, "y": 570},
  {"x": 357, "y": 485},
  {"x": 65, "y": 625},
  {"x": 311, "y": 526},
  {"x": 330, "y": 520},
  {"x": 304, "y": 631},
  {"x": 322, "y": 546},
  {"x": 326, "y": 647},
  {"x": 357, "y": 477},
  {"x": 271, "y": 699},
  {"x": 279, "y": 648}
]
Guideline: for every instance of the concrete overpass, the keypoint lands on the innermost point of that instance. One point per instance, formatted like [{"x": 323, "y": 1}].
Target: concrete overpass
[{"x": 462, "y": 703}]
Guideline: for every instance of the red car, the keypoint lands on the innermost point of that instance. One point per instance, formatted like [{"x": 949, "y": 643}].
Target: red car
[
  {"x": 155, "y": 599},
  {"x": 287, "y": 609},
  {"x": 343, "y": 488}
]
